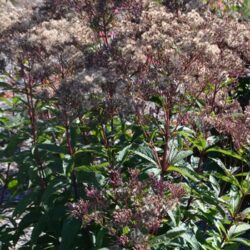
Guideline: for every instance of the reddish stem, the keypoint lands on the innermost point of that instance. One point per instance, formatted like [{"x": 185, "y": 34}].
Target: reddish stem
[
  {"x": 71, "y": 152},
  {"x": 32, "y": 116},
  {"x": 164, "y": 164}
]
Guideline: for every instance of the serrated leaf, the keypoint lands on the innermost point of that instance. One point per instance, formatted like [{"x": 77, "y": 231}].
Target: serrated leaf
[{"x": 145, "y": 153}]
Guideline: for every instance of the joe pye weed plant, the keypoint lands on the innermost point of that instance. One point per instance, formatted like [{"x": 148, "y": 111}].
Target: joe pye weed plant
[{"x": 125, "y": 125}]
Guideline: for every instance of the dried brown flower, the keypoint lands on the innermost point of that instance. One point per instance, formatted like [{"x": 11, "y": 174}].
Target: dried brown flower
[{"x": 138, "y": 206}]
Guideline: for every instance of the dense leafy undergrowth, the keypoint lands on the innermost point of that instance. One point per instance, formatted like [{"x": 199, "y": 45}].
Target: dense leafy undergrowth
[{"x": 126, "y": 132}]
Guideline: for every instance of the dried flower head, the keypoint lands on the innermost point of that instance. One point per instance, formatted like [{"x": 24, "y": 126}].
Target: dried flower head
[
  {"x": 143, "y": 50},
  {"x": 138, "y": 206}
]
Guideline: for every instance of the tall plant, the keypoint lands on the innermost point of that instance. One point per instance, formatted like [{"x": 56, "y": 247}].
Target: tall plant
[{"x": 122, "y": 127}]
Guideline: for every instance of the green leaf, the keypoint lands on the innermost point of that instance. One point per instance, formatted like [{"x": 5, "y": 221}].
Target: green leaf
[
  {"x": 237, "y": 230},
  {"x": 242, "y": 241},
  {"x": 87, "y": 174},
  {"x": 231, "y": 246},
  {"x": 229, "y": 176},
  {"x": 12, "y": 184},
  {"x": 56, "y": 186},
  {"x": 2, "y": 179},
  {"x": 93, "y": 168},
  {"x": 71, "y": 227},
  {"x": 67, "y": 164},
  {"x": 13, "y": 145},
  {"x": 121, "y": 155},
  {"x": 184, "y": 172},
  {"x": 51, "y": 148},
  {"x": 215, "y": 184},
  {"x": 158, "y": 100},
  {"x": 227, "y": 152},
  {"x": 5, "y": 86},
  {"x": 168, "y": 236},
  {"x": 39, "y": 228},
  {"x": 125, "y": 230},
  {"x": 245, "y": 186},
  {"x": 146, "y": 153},
  {"x": 99, "y": 238},
  {"x": 28, "y": 220},
  {"x": 176, "y": 232},
  {"x": 29, "y": 199},
  {"x": 220, "y": 227},
  {"x": 98, "y": 151},
  {"x": 230, "y": 179},
  {"x": 246, "y": 213},
  {"x": 199, "y": 142},
  {"x": 155, "y": 171},
  {"x": 180, "y": 156},
  {"x": 191, "y": 239}
]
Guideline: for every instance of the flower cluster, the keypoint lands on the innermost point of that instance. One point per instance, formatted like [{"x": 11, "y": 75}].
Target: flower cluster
[
  {"x": 119, "y": 54},
  {"x": 153, "y": 53},
  {"x": 234, "y": 124},
  {"x": 130, "y": 209}
]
